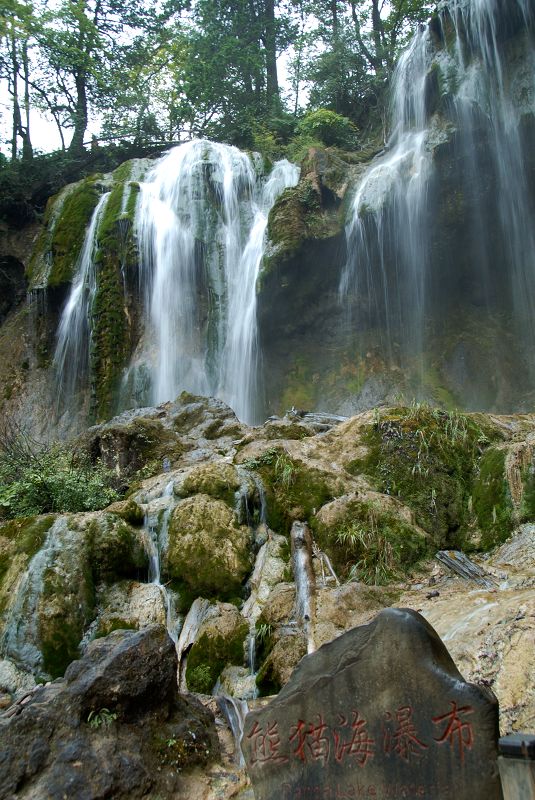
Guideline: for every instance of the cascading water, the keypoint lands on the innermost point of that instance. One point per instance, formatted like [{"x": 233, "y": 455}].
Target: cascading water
[
  {"x": 71, "y": 357},
  {"x": 155, "y": 541},
  {"x": 201, "y": 225},
  {"x": 456, "y": 91},
  {"x": 389, "y": 206}
]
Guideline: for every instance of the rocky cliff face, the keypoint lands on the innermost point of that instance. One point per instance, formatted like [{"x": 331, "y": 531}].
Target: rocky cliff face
[
  {"x": 400, "y": 274},
  {"x": 206, "y": 549}
]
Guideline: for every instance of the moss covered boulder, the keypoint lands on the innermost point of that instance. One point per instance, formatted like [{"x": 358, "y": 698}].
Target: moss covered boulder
[
  {"x": 371, "y": 537},
  {"x": 217, "y": 479},
  {"x": 208, "y": 551},
  {"x": 116, "y": 549},
  {"x": 51, "y": 596},
  {"x": 220, "y": 643}
]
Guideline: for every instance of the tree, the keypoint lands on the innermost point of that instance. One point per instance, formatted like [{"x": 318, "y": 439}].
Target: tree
[{"x": 17, "y": 22}]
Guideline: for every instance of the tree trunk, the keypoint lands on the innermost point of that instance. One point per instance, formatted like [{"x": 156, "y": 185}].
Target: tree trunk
[
  {"x": 14, "y": 93},
  {"x": 270, "y": 44},
  {"x": 27, "y": 149},
  {"x": 76, "y": 146}
]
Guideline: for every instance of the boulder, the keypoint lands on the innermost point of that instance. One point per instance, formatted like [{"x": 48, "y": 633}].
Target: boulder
[
  {"x": 220, "y": 642},
  {"x": 208, "y": 550},
  {"x": 114, "y": 726}
]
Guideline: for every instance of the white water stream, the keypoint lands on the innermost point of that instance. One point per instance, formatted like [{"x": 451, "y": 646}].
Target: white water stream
[
  {"x": 390, "y": 272},
  {"x": 71, "y": 357},
  {"x": 201, "y": 225}
]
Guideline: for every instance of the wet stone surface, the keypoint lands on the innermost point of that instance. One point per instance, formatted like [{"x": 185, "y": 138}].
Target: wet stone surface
[{"x": 380, "y": 712}]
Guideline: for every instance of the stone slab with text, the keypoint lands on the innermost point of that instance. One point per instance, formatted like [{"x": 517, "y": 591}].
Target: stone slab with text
[{"x": 381, "y": 712}]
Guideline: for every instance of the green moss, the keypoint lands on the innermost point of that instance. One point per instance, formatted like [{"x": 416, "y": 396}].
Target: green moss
[
  {"x": 293, "y": 490},
  {"x": 428, "y": 458},
  {"x": 28, "y": 534},
  {"x": 69, "y": 232},
  {"x": 528, "y": 497},
  {"x": 218, "y": 480},
  {"x": 60, "y": 646},
  {"x": 115, "y": 550},
  {"x": 208, "y": 552},
  {"x": 111, "y": 340},
  {"x": 67, "y": 608},
  {"x": 300, "y": 387},
  {"x": 115, "y": 624},
  {"x": 371, "y": 544},
  {"x": 491, "y": 500},
  {"x": 210, "y": 655}
]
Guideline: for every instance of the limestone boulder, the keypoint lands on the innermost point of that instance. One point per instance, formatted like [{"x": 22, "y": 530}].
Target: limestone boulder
[
  {"x": 129, "y": 604},
  {"x": 208, "y": 550},
  {"x": 220, "y": 642},
  {"x": 116, "y": 547},
  {"x": 217, "y": 479},
  {"x": 115, "y": 726}
]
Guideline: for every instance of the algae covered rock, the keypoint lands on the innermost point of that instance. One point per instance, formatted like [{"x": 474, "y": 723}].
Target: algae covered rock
[
  {"x": 372, "y": 537},
  {"x": 116, "y": 549},
  {"x": 281, "y": 662},
  {"x": 218, "y": 479},
  {"x": 129, "y": 605},
  {"x": 51, "y": 602},
  {"x": 220, "y": 643},
  {"x": 208, "y": 550}
]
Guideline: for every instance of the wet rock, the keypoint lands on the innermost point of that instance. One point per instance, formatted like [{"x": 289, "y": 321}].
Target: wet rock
[
  {"x": 278, "y": 667},
  {"x": 220, "y": 480},
  {"x": 350, "y": 717},
  {"x": 129, "y": 604},
  {"x": 208, "y": 550},
  {"x": 113, "y": 727},
  {"x": 116, "y": 548},
  {"x": 220, "y": 642}
]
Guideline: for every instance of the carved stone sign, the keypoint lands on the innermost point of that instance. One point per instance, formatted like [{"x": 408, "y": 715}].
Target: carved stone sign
[{"x": 381, "y": 712}]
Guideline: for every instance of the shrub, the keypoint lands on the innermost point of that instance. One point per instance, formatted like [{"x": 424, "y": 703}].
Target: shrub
[
  {"x": 37, "y": 478},
  {"x": 330, "y": 128}
]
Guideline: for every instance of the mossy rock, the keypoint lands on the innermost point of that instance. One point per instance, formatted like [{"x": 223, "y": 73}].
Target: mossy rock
[
  {"x": 491, "y": 500},
  {"x": 111, "y": 339},
  {"x": 220, "y": 644},
  {"x": 128, "y": 510},
  {"x": 280, "y": 663},
  {"x": 69, "y": 231},
  {"x": 116, "y": 549},
  {"x": 294, "y": 490},
  {"x": 208, "y": 551},
  {"x": 218, "y": 479},
  {"x": 67, "y": 602},
  {"x": 428, "y": 458},
  {"x": 20, "y": 540},
  {"x": 371, "y": 539}
]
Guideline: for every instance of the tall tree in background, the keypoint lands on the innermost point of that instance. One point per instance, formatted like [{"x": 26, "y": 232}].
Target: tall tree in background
[{"x": 17, "y": 23}]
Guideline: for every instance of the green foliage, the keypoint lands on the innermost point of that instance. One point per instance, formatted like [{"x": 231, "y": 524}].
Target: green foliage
[
  {"x": 41, "y": 478},
  {"x": 101, "y": 719},
  {"x": 429, "y": 458},
  {"x": 372, "y": 544},
  {"x": 329, "y": 128}
]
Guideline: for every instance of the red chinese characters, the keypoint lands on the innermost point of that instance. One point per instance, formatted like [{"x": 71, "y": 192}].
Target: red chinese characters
[
  {"x": 265, "y": 743},
  {"x": 456, "y": 732},
  {"x": 353, "y": 741},
  {"x": 403, "y": 740}
]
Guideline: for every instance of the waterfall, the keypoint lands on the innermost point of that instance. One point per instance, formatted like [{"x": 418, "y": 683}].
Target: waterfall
[
  {"x": 301, "y": 542},
  {"x": 201, "y": 224},
  {"x": 396, "y": 279},
  {"x": 155, "y": 540},
  {"x": 71, "y": 357}
]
